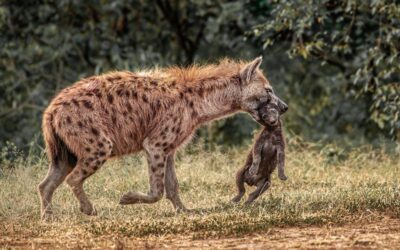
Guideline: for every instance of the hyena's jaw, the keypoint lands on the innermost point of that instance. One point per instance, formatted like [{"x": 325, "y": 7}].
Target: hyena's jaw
[
  {"x": 252, "y": 110},
  {"x": 254, "y": 114}
]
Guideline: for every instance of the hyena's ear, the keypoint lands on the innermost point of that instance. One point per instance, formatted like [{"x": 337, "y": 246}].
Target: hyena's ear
[{"x": 249, "y": 71}]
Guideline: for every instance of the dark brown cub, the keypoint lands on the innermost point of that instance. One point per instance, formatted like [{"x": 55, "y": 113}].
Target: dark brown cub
[{"x": 267, "y": 153}]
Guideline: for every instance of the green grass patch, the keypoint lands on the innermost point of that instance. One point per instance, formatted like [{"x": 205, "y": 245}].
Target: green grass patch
[{"x": 319, "y": 191}]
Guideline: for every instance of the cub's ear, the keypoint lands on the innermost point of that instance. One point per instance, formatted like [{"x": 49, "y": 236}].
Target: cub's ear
[{"x": 249, "y": 70}]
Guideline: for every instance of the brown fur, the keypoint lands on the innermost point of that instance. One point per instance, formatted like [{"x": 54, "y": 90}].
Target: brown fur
[
  {"x": 267, "y": 153},
  {"x": 156, "y": 111}
]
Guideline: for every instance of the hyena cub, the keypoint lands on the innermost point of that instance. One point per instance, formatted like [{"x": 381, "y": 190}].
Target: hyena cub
[{"x": 267, "y": 152}]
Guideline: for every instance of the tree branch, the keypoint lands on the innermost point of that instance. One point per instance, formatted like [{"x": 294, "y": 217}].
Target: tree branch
[
  {"x": 329, "y": 60},
  {"x": 188, "y": 45}
]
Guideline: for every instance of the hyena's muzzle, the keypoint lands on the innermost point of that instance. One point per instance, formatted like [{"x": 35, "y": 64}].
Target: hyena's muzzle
[
  {"x": 283, "y": 107},
  {"x": 273, "y": 99}
]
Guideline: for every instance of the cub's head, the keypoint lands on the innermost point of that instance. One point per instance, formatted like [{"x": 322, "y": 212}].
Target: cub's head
[
  {"x": 269, "y": 114},
  {"x": 256, "y": 89}
]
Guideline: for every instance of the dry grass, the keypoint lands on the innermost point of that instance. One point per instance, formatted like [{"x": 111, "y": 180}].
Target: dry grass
[{"x": 322, "y": 189}]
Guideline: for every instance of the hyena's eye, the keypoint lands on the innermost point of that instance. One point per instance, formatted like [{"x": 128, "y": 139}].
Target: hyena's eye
[{"x": 269, "y": 91}]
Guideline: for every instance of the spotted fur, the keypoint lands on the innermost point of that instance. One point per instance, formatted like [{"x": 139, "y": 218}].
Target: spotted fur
[{"x": 156, "y": 111}]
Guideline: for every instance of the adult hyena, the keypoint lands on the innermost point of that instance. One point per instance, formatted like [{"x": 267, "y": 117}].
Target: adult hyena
[{"x": 156, "y": 111}]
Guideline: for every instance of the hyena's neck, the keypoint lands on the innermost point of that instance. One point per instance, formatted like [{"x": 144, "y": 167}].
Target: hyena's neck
[{"x": 219, "y": 101}]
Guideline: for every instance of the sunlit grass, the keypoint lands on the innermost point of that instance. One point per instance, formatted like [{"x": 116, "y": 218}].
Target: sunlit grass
[{"x": 321, "y": 189}]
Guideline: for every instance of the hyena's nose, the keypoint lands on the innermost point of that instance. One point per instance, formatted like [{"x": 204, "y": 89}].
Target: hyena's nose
[{"x": 285, "y": 108}]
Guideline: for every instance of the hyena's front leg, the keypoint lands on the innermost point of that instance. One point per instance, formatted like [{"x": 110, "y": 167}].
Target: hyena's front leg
[
  {"x": 171, "y": 184},
  {"x": 156, "y": 158}
]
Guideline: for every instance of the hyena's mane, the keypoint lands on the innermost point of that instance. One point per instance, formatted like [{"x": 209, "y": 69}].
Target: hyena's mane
[{"x": 195, "y": 73}]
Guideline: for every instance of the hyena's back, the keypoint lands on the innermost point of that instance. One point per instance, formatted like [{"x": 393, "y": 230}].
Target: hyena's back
[
  {"x": 111, "y": 115},
  {"x": 106, "y": 115}
]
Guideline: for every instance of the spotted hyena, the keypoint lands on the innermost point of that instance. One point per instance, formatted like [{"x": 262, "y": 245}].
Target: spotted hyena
[
  {"x": 156, "y": 111},
  {"x": 267, "y": 153}
]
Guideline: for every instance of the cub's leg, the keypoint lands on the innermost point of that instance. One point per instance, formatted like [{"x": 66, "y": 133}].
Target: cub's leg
[
  {"x": 253, "y": 170},
  {"x": 171, "y": 184},
  {"x": 266, "y": 185},
  {"x": 156, "y": 158},
  {"x": 281, "y": 163},
  {"x": 261, "y": 142},
  {"x": 262, "y": 186},
  {"x": 240, "y": 179}
]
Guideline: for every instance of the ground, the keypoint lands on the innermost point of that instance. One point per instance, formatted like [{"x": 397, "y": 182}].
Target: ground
[
  {"x": 364, "y": 234},
  {"x": 333, "y": 199}
]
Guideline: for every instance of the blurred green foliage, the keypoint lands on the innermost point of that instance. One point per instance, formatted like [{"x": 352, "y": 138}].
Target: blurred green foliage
[
  {"x": 335, "y": 62},
  {"x": 351, "y": 52}
]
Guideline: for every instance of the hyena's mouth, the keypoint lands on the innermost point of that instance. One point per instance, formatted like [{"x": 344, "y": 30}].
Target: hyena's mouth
[{"x": 255, "y": 115}]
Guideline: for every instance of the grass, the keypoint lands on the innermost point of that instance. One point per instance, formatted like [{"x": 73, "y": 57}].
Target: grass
[{"x": 323, "y": 188}]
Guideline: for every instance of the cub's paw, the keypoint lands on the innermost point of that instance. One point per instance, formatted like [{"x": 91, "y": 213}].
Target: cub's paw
[
  {"x": 236, "y": 199},
  {"x": 282, "y": 176}
]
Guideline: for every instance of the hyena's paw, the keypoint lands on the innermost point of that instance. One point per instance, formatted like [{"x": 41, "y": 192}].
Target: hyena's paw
[
  {"x": 88, "y": 210},
  {"x": 183, "y": 210},
  {"x": 129, "y": 198},
  {"x": 47, "y": 216}
]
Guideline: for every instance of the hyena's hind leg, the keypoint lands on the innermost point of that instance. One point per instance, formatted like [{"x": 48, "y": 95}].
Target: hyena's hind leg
[
  {"x": 55, "y": 176},
  {"x": 171, "y": 184},
  {"x": 156, "y": 158},
  {"x": 96, "y": 153}
]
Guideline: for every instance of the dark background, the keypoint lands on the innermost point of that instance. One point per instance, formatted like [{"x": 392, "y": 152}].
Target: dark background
[{"x": 336, "y": 63}]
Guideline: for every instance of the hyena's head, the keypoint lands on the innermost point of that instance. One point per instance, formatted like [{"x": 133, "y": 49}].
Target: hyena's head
[{"x": 256, "y": 89}]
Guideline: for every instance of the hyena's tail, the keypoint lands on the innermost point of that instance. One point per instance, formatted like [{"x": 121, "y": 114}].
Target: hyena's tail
[{"x": 56, "y": 149}]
